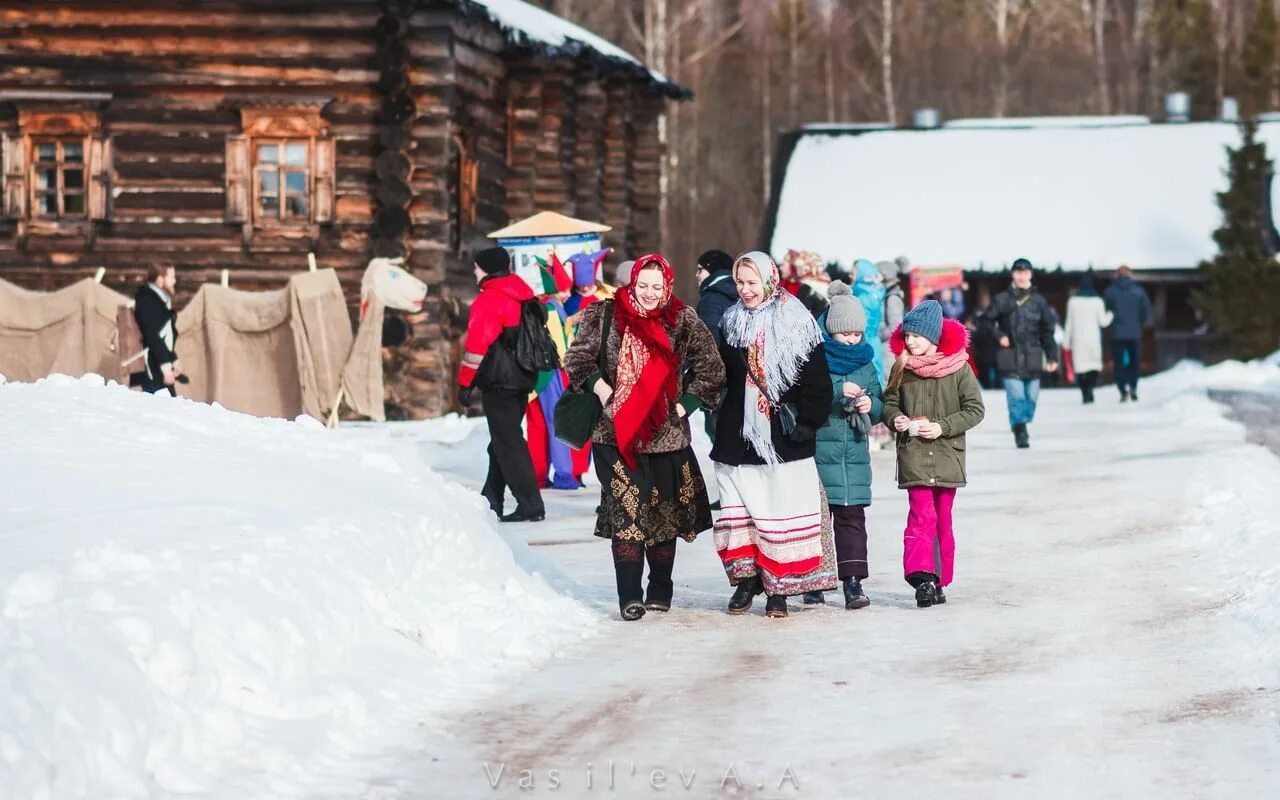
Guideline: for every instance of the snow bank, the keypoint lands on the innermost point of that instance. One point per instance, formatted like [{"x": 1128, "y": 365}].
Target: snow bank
[
  {"x": 200, "y": 603},
  {"x": 1070, "y": 195}
]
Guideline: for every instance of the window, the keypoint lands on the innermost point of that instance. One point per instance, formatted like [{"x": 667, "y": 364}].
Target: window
[
  {"x": 57, "y": 173},
  {"x": 57, "y": 178},
  {"x": 280, "y": 170},
  {"x": 282, "y": 180}
]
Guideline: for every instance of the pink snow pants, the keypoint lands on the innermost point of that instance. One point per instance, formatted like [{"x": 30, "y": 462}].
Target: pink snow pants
[{"x": 929, "y": 527}]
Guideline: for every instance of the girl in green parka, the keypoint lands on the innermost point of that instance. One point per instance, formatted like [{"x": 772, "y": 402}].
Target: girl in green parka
[
  {"x": 931, "y": 400},
  {"x": 844, "y": 460}
]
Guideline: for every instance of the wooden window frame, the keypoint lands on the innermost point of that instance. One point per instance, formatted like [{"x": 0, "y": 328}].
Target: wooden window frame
[
  {"x": 60, "y": 118},
  {"x": 280, "y": 123},
  {"x": 35, "y": 208},
  {"x": 281, "y": 169}
]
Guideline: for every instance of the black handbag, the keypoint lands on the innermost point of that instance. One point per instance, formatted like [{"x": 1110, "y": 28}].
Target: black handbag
[{"x": 578, "y": 410}]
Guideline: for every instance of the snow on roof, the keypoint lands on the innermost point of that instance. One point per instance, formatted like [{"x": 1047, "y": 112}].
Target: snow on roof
[
  {"x": 1069, "y": 197},
  {"x": 1048, "y": 122},
  {"x": 528, "y": 25}
]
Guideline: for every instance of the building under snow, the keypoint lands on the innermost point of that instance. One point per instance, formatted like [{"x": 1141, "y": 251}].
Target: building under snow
[{"x": 1071, "y": 194}]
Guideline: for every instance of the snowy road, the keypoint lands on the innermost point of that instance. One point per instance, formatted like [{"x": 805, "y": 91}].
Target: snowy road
[{"x": 1112, "y": 632}]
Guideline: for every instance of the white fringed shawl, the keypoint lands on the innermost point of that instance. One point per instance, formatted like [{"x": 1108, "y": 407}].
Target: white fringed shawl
[{"x": 778, "y": 335}]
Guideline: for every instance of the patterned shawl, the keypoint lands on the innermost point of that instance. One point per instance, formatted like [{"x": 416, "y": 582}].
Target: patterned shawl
[
  {"x": 648, "y": 366},
  {"x": 778, "y": 335}
]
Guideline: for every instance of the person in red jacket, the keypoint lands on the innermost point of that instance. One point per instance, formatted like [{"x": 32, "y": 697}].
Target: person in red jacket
[{"x": 489, "y": 364}]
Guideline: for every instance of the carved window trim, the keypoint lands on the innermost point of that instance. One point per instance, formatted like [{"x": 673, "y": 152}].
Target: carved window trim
[
  {"x": 276, "y": 126},
  {"x": 42, "y": 119}
]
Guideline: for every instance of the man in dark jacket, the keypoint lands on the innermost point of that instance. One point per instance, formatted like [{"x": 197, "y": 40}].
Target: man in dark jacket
[
  {"x": 158, "y": 324},
  {"x": 1027, "y": 348},
  {"x": 716, "y": 290},
  {"x": 1131, "y": 312},
  {"x": 716, "y": 294},
  {"x": 489, "y": 364}
]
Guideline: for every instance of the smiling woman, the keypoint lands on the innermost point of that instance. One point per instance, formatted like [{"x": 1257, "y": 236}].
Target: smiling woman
[{"x": 653, "y": 489}]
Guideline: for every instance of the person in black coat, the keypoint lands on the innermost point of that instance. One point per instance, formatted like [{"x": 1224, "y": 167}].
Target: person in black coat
[
  {"x": 716, "y": 290},
  {"x": 158, "y": 324},
  {"x": 774, "y": 533},
  {"x": 1027, "y": 347},
  {"x": 1131, "y": 312}
]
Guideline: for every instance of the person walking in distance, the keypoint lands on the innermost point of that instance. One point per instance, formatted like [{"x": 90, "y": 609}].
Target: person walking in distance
[
  {"x": 1087, "y": 316},
  {"x": 158, "y": 324},
  {"x": 1131, "y": 312},
  {"x": 1027, "y": 347},
  {"x": 489, "y": 364}
]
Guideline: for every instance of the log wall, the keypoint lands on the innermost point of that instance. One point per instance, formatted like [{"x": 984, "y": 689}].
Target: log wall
[{"x": 427, "y": 106}]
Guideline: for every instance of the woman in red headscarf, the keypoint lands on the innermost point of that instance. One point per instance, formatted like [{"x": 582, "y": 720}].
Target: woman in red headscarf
[{"x": 653, "y": 491}]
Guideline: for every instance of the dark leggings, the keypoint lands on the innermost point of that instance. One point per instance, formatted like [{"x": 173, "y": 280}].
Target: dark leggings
[{"x": 628, "y": 565}]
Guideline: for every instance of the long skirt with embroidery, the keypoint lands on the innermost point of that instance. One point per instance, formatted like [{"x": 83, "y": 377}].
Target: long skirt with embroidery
[
  {"x": 774, "y": 522},
  {"x": 664, "y": 497}
]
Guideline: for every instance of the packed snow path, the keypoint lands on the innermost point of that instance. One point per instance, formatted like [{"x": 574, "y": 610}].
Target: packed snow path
[{"x": 1112, "y": 632}]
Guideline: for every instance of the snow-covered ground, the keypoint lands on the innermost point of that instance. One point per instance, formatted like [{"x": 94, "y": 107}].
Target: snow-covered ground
[
  {"x": 1113, "y": 633},
  {"x": 195, "y": 603}
]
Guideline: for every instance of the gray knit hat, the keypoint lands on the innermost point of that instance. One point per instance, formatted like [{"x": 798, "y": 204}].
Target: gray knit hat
[
  {"x": 622, "y": 275},
  {"x": 846, "y": 314},
  {"x": 924, "y": 320},
  {"x": 890, "y": 271}
]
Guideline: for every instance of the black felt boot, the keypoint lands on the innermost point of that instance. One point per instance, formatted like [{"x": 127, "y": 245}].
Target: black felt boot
[
  {"x": 776, "y": 606},
  {"x": 745, "y": 594}
]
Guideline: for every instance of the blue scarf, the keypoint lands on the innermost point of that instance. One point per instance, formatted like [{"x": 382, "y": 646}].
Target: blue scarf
[{"x": 843, "y": 359}]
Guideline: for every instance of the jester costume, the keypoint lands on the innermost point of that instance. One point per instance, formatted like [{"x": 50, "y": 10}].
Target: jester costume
[{"x": 550, "y": 455}]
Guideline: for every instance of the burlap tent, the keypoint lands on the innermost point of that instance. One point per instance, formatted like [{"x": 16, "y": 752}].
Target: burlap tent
[
  {"x": 270, "y": 354},
  {"x": 71, "y": 331}
]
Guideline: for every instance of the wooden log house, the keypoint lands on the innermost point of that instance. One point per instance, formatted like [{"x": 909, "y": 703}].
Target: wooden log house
[{"x": 243, "y": 134}]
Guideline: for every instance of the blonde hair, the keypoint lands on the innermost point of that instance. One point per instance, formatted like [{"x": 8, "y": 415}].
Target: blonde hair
[{"x": 895, "y": 374}]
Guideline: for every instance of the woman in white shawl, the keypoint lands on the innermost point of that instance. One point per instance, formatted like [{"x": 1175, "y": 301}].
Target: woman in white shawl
[{"x": 774, "y": 531}]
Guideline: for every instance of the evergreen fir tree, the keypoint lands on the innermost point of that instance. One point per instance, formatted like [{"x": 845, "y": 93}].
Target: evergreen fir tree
[{"x": 1241, "y": 294}]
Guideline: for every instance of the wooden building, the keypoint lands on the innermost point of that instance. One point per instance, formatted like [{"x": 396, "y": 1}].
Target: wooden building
[{"x": 243, "y": 134}]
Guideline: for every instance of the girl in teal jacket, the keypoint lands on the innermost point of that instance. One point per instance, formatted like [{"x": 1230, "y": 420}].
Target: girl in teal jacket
[{"x": 844, "y": 460}]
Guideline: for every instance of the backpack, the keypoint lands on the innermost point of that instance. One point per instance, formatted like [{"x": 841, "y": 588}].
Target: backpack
[
  {"x": 534, "y": 351},
  {"x": 129, "y": 345}
]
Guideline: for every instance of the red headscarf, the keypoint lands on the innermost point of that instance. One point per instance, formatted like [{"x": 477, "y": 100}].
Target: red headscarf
[{"x": 648, "y": 366}]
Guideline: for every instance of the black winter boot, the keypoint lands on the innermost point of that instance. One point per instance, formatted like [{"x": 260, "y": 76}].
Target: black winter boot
[
  {"x": 938, "y": 597},
  {"x": 853, "y": 595},
  {"x": 1020, "y": 436},
  {"x": 815, "y": 599},
  {"x": 926, "y": 594},
  {"x": 776, "y": 606},
  {"x": 630, "y": 596},
  {"x": 745, "y": 594}
]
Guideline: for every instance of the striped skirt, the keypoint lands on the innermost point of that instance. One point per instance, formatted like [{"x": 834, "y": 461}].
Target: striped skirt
[{"x": 774, "y": 522}]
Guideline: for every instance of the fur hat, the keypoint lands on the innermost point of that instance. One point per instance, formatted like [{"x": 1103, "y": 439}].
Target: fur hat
[
  {"x": 846, "y": 314},
  {"x": 714, "y": 261},
  {"x": 493, "y": 261},
  {"x": 924, "y": 320}
]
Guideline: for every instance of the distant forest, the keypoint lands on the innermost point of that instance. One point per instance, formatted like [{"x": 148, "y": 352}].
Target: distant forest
[{"x": 761, "y": 67}]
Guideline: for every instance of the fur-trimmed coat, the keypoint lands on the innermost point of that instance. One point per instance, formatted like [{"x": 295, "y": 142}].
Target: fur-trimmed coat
[
  {"x": 692, "y": 342},
  {"x": 954, "y": 401}
]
